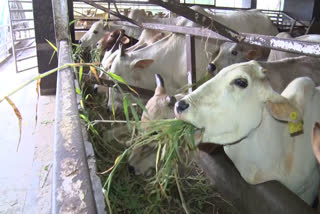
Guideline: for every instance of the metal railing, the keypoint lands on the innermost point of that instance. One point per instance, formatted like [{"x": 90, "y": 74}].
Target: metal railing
[{"x": 5, "y": 42}]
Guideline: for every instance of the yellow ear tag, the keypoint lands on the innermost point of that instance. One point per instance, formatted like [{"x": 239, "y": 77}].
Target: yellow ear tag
[{"x": 295, "y": 127}]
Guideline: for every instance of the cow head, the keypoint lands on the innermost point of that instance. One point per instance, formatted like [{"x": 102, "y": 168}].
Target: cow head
[
  {"x": 316, "y": 141},
  {"x": 143, "y": 158},
  {"x": 160, "y": 106},
  {"x": 129, "y": 69},
  {"x": 231, "y": 53},
  {"x": 93, "y": 35},
  {"x": 230, "y": 105}
]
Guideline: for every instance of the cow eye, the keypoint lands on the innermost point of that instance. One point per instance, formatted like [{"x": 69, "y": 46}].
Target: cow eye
[
  {"x": 234, "y": 52},
  {"x": 95, "y": 32},
  {"x": 240, "y": 82}
]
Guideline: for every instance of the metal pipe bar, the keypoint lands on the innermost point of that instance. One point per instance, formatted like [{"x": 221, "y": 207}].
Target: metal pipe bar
[
  {"x": 71, "y": 184},
  {"x": 25, "y": 69},
  {"x": 22, "y": 10},
  {"x": 191, "y": 61},
  {"x": 72, "y": 187},
  {"x": 21, "y": 20},
  {"x": 24, "y": 58},
  {"x": 200, "y": 19},
  {"x": 12, "y": 40},
  {"x": 111, "y": 12},
  {"x": 18, "y": 40},
  {"x": 281, "y": 44},
  {"x": 195, "y": 31},
  {"x": 26, "y": 48},
  {"x": 21, "y": 1},
  {"x": 24, "y": 29}
]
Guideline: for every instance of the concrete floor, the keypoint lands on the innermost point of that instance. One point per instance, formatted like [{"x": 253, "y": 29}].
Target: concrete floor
[{"x": 25, "y": 175}]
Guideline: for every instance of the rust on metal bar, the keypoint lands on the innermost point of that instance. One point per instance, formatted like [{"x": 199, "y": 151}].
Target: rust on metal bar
[
  {"x": 200, "y": 19},
  {"x": 111, "y": 12},
  {"x": 191, "y": 62},
  {"x": 195, "y": 31},
  {"x": 281, "y": 44}
]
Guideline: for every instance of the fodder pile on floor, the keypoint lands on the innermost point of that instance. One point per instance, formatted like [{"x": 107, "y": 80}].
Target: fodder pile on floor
[{"x": 177, "y": 185}]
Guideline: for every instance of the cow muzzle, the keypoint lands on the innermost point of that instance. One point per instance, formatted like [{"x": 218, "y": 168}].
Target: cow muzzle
[{"x": 211, "y": 68}]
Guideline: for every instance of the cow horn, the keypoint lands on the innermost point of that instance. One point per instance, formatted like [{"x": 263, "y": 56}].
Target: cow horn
[
  {"x": 121, "y": 47},
  {"x": 160, "y": 85},
  {"x": 159, "y": 81}
]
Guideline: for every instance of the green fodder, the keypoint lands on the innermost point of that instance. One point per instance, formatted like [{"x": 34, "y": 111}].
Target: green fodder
[{"x": 177, "y": 185}]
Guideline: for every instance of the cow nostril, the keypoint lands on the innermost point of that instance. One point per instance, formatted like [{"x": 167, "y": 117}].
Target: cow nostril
[
  {"x": 108, "y": 110},
  {"x": 181, "y": 106},
  {"x": 211, "y": 68},
  {"x": 131, "y": 169}
]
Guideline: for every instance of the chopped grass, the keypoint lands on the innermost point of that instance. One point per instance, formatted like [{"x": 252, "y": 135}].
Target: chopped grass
[{"x": 177, "y": 185}]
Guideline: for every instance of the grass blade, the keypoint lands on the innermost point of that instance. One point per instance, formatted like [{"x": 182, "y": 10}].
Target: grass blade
[
  {"x": 38, "y": 88},
  {"x": 94, "y": 71},
  {"x": 80, "y": 73},
  {"x": 126, "y": 112},
  {"x": 18, "y": 114},
  {"x": 121, "y": 80},
  {"x": 52, "y": 45}
]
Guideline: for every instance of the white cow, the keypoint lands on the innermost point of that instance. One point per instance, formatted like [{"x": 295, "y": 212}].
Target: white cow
[
  {"x": 100, "y": 28},
  {"x": 167, "y": 56},
  {"x": 161, "y": 106},
  {"x": 239, "y": 109},
  {"x": 276, "y": 55},
  {"x": 231, "y": 53},
  {"x": 316, "y": 148}
]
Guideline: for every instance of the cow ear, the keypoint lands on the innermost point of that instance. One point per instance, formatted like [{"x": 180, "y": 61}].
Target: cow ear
[
  {"x": 316, "y": 140},
  {"x": 253, "y": 54},
  {"x": 125, "y": 40},
  {"x": 281, "y": 109},
  {"x": 141, "y": 64}
]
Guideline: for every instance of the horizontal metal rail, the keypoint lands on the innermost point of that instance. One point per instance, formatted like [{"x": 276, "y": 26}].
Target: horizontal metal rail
[
  {"x": 25, "y": 69},
  {"x": 19, "y": 40},
  {"x": 21, "y": 20},
  {"x": 23, "y": 29},
  {"x": 24, "y": 58},
  {"x": 21, "y": 1},
  {"x": 26, "y": 48},
  {"x": 22, "y": 10},
  {"x": 289, "y": 45}
]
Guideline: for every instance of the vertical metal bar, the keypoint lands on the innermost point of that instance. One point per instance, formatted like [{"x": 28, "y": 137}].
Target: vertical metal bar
[
  {"x": 71, "y": 18},
  {"x": 191, "y": 61},
  {"x": 12, "y": 39}
]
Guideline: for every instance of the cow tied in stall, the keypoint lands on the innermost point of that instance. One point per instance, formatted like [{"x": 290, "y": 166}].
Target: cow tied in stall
[
  {"x": 167, "y": 57},
  {"x": 265, "y": 134},
  {"x": 231, "y": 53},
  {"x": 159, "y": 107}
]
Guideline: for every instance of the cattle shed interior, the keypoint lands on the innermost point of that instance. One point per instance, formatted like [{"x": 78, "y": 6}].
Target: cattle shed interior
[{"x": 69, "y": 147}]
